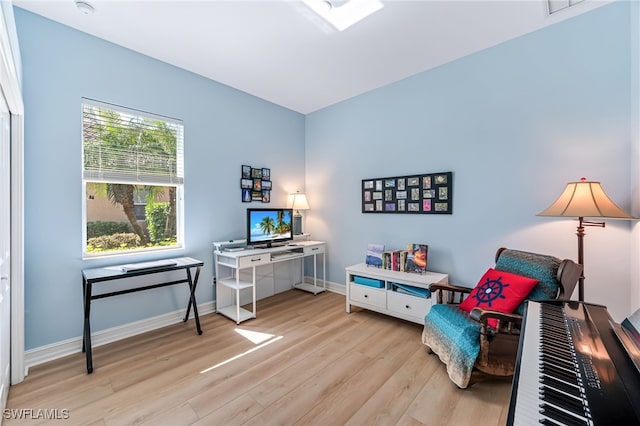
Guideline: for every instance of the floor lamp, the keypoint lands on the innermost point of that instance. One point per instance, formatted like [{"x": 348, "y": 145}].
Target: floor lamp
[{"x": 584, "y": 199}]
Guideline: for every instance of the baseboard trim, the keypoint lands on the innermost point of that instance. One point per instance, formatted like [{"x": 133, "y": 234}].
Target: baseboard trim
[{"x": 72, "y": 346}]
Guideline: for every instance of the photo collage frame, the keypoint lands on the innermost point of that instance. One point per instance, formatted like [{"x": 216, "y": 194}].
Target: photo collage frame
[
  {"x": 255, "y": 184},
  {"x": 429, "y": 193}
]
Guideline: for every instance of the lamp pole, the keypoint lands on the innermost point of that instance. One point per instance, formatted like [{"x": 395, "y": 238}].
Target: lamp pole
[{"x": 581, "y": 224}]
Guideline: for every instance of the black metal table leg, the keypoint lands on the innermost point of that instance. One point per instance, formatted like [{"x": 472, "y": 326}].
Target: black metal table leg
[
  {"x": 192, "y": 298},
  {"x": 86, "y": 339}
]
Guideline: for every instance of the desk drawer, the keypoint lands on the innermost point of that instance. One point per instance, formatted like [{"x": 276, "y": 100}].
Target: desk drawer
[
  {"x": 255, "y": 260},
  {"x": 314, "y": 250},
  {"x": 408, "y": 305},
  {"x": 368, "y": 295}
]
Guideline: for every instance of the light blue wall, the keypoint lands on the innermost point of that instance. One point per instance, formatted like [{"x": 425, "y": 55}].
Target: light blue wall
[
  {"x": 224, "y": 128},
  {"x": 514, "y": 123}
]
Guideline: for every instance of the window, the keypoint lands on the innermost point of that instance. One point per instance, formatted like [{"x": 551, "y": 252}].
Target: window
[{"x": 132, "y": 180}]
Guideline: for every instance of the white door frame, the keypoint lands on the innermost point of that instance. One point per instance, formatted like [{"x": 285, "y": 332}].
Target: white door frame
[{"x": 10, "y": 86}]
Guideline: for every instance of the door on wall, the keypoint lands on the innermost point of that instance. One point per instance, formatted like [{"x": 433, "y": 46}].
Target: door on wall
[{"x": 5, "y": 246}]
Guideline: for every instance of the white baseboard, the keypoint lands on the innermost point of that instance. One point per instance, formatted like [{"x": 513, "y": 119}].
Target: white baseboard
[{"x": 71, "y": 346}]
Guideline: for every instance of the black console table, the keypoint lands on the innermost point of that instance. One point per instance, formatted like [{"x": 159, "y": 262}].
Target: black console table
[{"x": 97, "y": 275}]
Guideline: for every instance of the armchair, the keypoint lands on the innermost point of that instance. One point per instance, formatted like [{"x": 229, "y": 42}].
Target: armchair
[{"x": 486, "y": 339}]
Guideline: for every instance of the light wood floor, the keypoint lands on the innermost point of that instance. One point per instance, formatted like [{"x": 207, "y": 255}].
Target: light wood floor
[{"x": 316, "y": 365}]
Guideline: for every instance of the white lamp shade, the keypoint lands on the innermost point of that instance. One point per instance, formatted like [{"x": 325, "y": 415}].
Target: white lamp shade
[{"x": 299, "y": 201}]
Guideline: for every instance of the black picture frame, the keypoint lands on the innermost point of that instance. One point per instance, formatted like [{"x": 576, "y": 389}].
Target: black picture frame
[
  {"x": 246, "y": 172},
  {"x": 426, "y": 193},
  {"x": 255, "y": 184},
  {"x": 246, "y": 183}
]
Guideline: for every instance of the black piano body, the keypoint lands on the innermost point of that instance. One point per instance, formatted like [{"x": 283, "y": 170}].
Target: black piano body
[{"x": 575, "y": 366}]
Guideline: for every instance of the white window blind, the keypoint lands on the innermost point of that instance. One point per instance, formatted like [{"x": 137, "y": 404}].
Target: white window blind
[{"x": 131, "y": 147}]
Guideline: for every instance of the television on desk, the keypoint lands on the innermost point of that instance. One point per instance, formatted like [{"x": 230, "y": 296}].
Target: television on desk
[{"x": 269, "y": 227}]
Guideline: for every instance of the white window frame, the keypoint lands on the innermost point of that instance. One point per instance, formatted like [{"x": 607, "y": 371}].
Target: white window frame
[{"x": 177, "y": 183}]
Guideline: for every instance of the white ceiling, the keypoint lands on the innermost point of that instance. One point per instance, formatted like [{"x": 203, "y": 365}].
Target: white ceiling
[{"x": 280, "y": 51}]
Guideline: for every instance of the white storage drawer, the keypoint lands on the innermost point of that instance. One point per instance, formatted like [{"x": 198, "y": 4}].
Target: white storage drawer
[
  {"x": 405, "y": 304},
  {"x": 258, "y": 259},
  {"x": 313, "y": 250},
  {"x": 368, "y": 295}
]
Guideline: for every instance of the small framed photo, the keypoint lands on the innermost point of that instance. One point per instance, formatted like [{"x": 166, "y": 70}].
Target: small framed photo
[
  {"x": 266, "y": 184},
  {"x": 413, "y": 181},
  {"x": 429, "y": 193},
  {"x": 426, "y": 182},
  {"x": 266, "y": 174},
  {"x": 246, "y": 172},
  {"x": 256, "y": 195},
  {"x": 257, "y": 185},
  {"x": 266, "y": 196},
  {"x": 441, "y": 207},
  {"x": 443, "y": 193},
  {"x": 246, "y": 195},
  {"x": 368, "y": 184},
  {"x": 256, "y": 173},
  {"x": 246, "y": 183}
]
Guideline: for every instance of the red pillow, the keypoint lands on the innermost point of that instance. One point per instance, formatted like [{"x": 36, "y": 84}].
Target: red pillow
[{"x": 499, "y": 291}]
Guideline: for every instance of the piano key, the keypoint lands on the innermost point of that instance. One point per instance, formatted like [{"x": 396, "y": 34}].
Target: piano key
[
  {"x": 560, "y": 384},
  {"x": 568, "y": 402},
  {"x": 561, "y": 415}
]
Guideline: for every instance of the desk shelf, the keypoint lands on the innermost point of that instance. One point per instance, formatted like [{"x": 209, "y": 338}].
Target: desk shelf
[
  {"x": 311, "y": 288},
  {"x": 235, "y": 285},
  {"x": 234, "y": 312}
]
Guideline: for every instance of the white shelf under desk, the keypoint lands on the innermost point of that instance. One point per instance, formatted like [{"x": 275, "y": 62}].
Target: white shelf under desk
[{"x": 228, "y": 265}]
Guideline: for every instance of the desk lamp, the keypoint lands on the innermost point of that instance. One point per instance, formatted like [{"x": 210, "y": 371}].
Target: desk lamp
[
  {"x": 584, "y": 199},
  {"x": 298, "y": 202}
]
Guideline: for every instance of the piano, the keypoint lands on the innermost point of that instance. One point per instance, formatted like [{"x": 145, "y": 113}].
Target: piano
[{"x": 575, "y": 366}]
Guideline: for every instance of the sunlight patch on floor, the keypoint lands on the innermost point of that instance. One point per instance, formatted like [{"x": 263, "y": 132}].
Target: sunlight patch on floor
[
  {"x": 261, "y": 339},
  {"x": 254, "y": 336}
]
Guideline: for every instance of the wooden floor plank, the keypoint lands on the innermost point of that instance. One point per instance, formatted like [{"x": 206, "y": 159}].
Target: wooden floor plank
[{"x": 315, "y": 365}]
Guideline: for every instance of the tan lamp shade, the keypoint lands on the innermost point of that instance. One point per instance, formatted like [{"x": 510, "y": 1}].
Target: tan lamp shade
[{"x": 585, "y": 199}]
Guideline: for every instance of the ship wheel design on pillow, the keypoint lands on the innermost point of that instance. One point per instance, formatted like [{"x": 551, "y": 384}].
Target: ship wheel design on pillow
[{"x": 490, "y": 290}]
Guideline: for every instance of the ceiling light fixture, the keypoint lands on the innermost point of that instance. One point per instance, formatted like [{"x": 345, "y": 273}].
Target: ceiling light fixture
[
  {"x": 344, "y": 16},
  {"x": 85, "y": 7}
]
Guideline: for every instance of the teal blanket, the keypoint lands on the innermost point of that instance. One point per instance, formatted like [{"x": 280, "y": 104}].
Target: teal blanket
[{"x": 450, "y": 333}]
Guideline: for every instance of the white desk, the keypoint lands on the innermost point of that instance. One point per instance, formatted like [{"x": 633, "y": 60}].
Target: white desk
[{"x": 228, "y": 265}]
